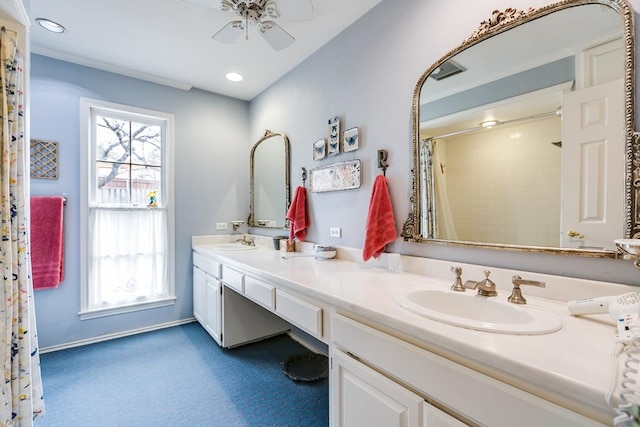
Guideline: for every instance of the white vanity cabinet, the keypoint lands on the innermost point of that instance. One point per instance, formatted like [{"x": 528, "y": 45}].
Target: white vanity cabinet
[
  {"x": 207, "y": 295},
  {"x": 379, "y": 380},
  {"x": 363, "y": 397},
  {"x": 222, "y": 310}
]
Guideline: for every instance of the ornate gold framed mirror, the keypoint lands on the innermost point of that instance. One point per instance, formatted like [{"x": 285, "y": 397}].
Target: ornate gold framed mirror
[
  {"x": 524, "y": 135},
  {"x": 269, "y": 193}
]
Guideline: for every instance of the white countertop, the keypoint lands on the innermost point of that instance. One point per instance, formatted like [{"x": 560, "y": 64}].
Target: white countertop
[{"x": 571, "y": 367}]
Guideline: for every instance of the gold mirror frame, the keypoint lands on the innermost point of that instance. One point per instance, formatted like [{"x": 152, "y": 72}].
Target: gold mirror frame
[
  {"x": 504, "y": 21},
  {"x": 287, "y": 192}
]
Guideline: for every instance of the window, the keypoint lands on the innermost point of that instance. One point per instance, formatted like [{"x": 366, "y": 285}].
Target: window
[{"x": 127, "y": 209}]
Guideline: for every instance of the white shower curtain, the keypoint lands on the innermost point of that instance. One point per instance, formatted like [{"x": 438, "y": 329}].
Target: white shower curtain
[
  {"x": 446, "y": 226},
  {"x": 21, "y": 391},
  {"x": 437, "y": 220}
]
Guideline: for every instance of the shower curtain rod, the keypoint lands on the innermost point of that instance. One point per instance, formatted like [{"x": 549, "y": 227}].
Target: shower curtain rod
[{"x": 557, "y": 112}]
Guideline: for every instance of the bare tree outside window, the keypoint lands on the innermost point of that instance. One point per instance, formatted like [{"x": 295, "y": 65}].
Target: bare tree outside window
[{"x": 129, "y": 162}]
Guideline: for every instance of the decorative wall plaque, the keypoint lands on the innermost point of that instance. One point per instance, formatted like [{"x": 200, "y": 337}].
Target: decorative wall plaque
[
  {"x": 338, "y": 176},
  {"x": 44, "y": 159}
]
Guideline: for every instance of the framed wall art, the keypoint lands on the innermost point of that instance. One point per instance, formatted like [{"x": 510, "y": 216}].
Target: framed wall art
[
  {"x": 338, "y": 176},
  {"x": 319, "y": 149},
  {"x": 350, "y": 140},
  {"x": 333, "y": 145}
]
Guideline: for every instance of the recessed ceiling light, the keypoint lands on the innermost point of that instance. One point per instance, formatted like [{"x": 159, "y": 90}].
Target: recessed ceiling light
[
  {"x": 49, "y": 25},
  {"x": 489, "y": 123},
  {"x": 234, "y": 77}
]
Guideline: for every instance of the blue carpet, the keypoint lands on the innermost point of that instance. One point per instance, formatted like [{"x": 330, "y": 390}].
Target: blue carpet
[{"x": 178, "y": 377}]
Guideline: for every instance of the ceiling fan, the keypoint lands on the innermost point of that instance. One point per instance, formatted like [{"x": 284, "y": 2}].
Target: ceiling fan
[{"x": 261, "y": 13}]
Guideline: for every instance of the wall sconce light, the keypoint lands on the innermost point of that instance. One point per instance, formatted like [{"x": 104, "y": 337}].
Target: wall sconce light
[{"x": 236, "y": 224}]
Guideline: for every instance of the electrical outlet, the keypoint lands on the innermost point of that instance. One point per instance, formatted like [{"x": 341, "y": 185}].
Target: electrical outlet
[
  {"x": 221, "y": 226},
  {"x": 335, "y": 232}
]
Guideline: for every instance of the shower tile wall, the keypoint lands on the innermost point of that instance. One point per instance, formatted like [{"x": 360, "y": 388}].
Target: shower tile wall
[{"x": 504, "y": 184}]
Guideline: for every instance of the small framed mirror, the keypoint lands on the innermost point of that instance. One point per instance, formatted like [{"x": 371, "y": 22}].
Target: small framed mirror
[{"x": 269, "y": 193}]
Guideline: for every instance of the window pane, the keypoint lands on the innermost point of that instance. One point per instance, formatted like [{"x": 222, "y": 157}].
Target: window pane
[
  {"x": 112, "y": 139},
  {"x": 145, "y": 179},
  {"x": 146, "y": 144},
  {"x": 113, "y": 183}
]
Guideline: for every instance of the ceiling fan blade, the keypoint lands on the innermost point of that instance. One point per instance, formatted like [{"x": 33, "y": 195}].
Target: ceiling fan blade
[
  {"x": 291, "y": 10},
  {"x": 230, "y": 33},
  {"x": 275, "y": 35}
]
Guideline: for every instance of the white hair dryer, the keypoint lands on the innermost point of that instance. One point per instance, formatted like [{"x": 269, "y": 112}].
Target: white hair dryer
[{"x": 624, "y": 309}]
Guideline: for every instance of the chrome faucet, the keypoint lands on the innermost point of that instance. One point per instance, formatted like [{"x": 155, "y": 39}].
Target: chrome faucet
[
  {"x": 249, "y": 241},
  {"x": 516, "y": 295},
  {"x": 486, "y": 287}
]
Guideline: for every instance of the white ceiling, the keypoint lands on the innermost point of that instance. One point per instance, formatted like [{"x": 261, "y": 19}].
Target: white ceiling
[{"x": 169, "y": 41}]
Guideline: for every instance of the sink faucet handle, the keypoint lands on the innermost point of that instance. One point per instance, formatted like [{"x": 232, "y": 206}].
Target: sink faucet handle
[
  {"x": 486, "y": 287},
  {"x": 516, "y": 295},
  {"x": 457, "y": 285}
]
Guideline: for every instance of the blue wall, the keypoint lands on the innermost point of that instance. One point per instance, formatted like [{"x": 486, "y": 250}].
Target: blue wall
[
  {"x": 367, "y": 75},
  {"x": 211, "y": 152}
]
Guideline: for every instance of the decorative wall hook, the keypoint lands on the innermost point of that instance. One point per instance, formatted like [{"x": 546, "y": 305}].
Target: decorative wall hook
[
  {"x": 383, "y": 164},
  {"x": 303, "y": 176}
]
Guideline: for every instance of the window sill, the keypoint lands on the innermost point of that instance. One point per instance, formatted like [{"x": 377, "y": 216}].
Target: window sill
[{"x": 129, "y": 308}]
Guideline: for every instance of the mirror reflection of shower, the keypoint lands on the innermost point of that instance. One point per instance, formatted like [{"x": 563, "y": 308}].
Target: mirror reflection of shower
[{"x": 497, "y": 183}]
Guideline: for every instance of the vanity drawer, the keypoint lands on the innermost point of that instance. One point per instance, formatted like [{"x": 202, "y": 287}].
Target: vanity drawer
[
  {"x": 260, "y": 292},
  {"x": 233, "y": 279},
  {"x": 301, "y": 313},
  {"x": 211, "y": 267}
]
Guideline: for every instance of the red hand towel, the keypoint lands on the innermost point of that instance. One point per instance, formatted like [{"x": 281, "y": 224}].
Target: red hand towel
[
  {"x": 298, "y": 215},
  {"x": 381, "y": 225},
  {"x": 47, "y": 253}
]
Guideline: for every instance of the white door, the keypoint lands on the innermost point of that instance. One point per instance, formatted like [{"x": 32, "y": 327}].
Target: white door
[
  {"x": 593, "y": 166},
  {"x": 362, "y": 397}
]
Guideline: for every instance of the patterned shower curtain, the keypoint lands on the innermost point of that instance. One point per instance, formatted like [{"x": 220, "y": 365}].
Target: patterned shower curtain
[{"x": 21, "y": 391}]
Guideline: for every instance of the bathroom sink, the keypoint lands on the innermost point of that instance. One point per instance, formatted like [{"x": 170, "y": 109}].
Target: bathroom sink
[
  {"x": 235, "y": 246},
  {"x": 469, "y": 310}
]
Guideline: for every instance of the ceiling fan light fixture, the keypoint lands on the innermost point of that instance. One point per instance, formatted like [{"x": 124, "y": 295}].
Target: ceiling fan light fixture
[
  {"x": 234, "y": 77},
  {"x": 261, "y": 14},
  {"x": 50, "y": 25}
]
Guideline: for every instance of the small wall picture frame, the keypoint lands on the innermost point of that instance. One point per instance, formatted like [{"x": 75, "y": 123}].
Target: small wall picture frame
[
  {"x": 350, "y": 140},
  {"x": 319, "y": 149},
  {"x": 333, "y": 145}
]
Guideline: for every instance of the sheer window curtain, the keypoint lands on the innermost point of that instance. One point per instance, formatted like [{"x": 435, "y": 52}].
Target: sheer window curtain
[
  {"x": 21, "y": 389},
  {"x": 129, "y": 259}
]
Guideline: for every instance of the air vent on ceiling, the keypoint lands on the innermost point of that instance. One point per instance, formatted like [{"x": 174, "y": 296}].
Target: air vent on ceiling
[{"x": 447, "y": 69}]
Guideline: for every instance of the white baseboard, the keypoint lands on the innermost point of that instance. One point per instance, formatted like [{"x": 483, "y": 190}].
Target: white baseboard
[{"x": 115, "y": 335}]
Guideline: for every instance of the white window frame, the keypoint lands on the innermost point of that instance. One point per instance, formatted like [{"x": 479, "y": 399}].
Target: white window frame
[{"x": 87, "y": 177}]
